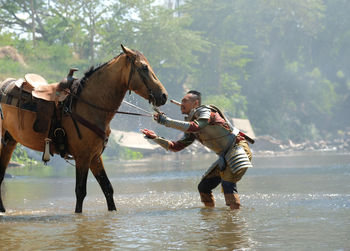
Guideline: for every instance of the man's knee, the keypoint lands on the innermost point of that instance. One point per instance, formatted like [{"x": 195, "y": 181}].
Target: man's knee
[
  {"x": 207, "y": 185},
  {"x": 202, "y": 187},
  {"x": 229, "y": 187}
]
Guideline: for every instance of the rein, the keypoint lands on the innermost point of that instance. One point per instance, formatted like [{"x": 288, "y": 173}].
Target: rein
[
  {"x": 109, "y": 110},
  {"x": 101, "y": 133},
  {"x": 132, "y": 70}
]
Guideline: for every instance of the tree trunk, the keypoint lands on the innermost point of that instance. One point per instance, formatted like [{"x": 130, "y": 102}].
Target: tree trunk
[{"x": 33, "y": 21}]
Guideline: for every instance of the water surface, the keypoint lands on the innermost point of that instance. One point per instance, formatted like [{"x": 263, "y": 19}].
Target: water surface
[{"x": 289, "y": 203}]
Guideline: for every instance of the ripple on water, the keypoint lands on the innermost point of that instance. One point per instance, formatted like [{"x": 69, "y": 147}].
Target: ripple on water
[
  {"x": 311, "y": 201},
  {"x": 170, "y": 216}
]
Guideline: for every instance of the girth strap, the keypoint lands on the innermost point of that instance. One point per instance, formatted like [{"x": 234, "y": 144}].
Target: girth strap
[{"x": 102, "y": 134}]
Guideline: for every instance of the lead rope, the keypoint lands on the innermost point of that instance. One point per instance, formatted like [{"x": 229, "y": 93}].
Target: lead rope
[
  {"x": 69, "y": 162},
  {"x": 111, "y": 111},
  {"x": 138, "y": 108}
]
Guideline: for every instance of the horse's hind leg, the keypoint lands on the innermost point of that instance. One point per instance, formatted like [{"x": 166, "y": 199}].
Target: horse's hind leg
[
  {"x": 100, "y": 174},
  {"x": 8, "y": 145}
]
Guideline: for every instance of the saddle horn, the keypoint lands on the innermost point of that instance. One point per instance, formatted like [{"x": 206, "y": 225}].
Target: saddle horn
[{"x": 67, "y": 82}]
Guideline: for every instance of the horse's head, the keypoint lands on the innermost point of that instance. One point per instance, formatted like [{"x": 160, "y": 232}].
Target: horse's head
[{"x": 142, "y": 79}]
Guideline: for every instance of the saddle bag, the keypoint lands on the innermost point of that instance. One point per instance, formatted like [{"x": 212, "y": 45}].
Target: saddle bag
[{"x": 45, "y": 111}]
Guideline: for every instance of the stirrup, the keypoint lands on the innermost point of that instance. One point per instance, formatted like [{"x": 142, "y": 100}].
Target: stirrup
[
  {"x": 46, "y": 153},
  {"x": 68, "y": 157}
]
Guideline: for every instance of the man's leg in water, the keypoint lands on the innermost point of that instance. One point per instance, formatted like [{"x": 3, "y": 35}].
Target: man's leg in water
[
  {"x": 205, "y": 188},
  {"x": 231, "y": 194}
]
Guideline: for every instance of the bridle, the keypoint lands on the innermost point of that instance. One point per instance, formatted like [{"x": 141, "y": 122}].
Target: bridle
[
  {"x": 101, "y": 133},
  {"x": 142, "y": 71},
  {"x": 142, "y": 74}
]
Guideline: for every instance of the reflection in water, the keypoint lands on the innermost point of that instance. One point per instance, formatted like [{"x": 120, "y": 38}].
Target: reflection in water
[
  {"x": 94, "y": 232},
  {"x": 159, "y": 208},
  {"x": 53, "y": 232},
  {"x": 224, "y": 228}
]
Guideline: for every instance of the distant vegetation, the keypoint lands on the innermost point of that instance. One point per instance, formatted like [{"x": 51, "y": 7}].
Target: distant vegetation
[
  {"x": 282, "y": 64},
  {"x": 21, "y": 156}
]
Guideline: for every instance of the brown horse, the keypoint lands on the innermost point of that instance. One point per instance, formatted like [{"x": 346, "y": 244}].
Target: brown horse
[{"x": 102, "y": 90}]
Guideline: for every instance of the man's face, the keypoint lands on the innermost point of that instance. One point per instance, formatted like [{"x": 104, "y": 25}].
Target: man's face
[{"x": 188, "y": 103}]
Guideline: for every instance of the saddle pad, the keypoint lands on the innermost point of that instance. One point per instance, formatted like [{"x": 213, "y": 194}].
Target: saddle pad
[
  {"x": 10, "y": 94},
  {"x": 6, "y": 87}
]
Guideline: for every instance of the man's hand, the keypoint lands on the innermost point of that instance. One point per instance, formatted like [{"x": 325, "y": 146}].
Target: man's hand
[
  {"x": 239, "y": 137},
  {"x": 149, "y": 134},
  {"x": 161, "y": 118}
]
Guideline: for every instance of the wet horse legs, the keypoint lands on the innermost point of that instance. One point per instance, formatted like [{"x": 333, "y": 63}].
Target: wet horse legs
[
  {"x": 81, "y": 173},
  {"x": 6, "y": 153},
  {"x": 81, "y": 177},
  {"x": 100, "y": 174}
]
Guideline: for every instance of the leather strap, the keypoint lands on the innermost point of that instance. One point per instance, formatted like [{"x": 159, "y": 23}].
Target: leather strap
[{"x": 101, "y": 133}]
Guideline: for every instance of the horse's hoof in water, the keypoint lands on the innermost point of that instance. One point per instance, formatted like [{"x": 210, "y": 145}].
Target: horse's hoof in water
[
  {"x": 2, "y": 208},
  {"x": 112, "y": 208},
  {"x": 78, "y": 211}
]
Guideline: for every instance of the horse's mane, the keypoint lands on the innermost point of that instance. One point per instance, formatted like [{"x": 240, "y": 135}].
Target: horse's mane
[{"x": 80, "y": 83}]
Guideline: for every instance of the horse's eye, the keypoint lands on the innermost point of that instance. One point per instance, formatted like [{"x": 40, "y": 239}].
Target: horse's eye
[{"x": 144, "y": 67}]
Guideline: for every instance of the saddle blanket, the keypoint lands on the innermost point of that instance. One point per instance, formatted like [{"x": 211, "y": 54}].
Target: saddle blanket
[{"x": 10, "y": 94}]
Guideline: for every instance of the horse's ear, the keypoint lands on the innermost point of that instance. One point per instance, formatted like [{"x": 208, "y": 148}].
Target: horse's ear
[{"x": 127, "y": 51}]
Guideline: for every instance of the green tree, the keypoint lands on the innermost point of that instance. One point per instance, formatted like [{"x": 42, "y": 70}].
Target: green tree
[
  {"x": 222, "y": 69},
  {"x": 26, "y": 16},
  {"x": 280, "y": 36},
  {"x": 163, "y": 37},
  {"x": 332, "y": 53}
]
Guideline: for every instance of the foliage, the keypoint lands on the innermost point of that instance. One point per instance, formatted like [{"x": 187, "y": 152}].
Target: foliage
[
  {"x": 30, "y": 167},
  {"x": 115, "y": 151},
  {"x": 21, "y": 156},
  {"x": 173, "y": 49},
  {"x": 282, "y": 64},
  {"x": 131, "y": 155}
]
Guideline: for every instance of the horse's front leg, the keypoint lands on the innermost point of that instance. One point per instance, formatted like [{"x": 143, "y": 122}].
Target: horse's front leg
[
  {"x": 99, "y": 172},
  {"x": 81, "y": 173}
]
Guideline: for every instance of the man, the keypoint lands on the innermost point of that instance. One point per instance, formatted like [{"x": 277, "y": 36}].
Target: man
[{"x": 208, "y": 125}]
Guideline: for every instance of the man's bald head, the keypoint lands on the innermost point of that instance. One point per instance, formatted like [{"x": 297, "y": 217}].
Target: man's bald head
[
  {"x": 191, "y": 100},
  {"x": 195, "y": 95}
]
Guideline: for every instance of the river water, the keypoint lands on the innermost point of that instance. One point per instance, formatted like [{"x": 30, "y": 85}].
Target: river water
[{"x": 299, "y": 202}]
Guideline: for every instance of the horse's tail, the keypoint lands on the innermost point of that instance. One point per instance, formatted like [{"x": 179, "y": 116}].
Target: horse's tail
[
  {"x": 1, "y": 118},
  {"x": 1, "y": 121}
]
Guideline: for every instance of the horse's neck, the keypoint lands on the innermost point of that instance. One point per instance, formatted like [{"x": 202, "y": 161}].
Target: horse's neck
[{"x": 106, "y": 88}]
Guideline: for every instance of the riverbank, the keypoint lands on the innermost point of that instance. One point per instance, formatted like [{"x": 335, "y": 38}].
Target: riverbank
[
  {"x": 270, "y": 146},
  {"x": 267, "y": 145}
]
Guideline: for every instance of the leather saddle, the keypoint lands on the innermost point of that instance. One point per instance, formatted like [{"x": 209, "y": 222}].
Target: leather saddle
[
  {"x": 39, "y": 88},
  {"x": 47, "y": 100},
  {"x": 35, "y": 94}
]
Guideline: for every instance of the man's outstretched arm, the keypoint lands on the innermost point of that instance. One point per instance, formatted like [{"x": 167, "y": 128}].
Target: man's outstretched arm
[
  {"x": 185, "y": 126},
  {"x": 168, "y": 145}
]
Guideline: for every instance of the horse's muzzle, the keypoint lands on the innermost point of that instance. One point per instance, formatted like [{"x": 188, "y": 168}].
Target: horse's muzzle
[
  {"x": 160, "y": 100},
  {"x": 164, "y": 98}
]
